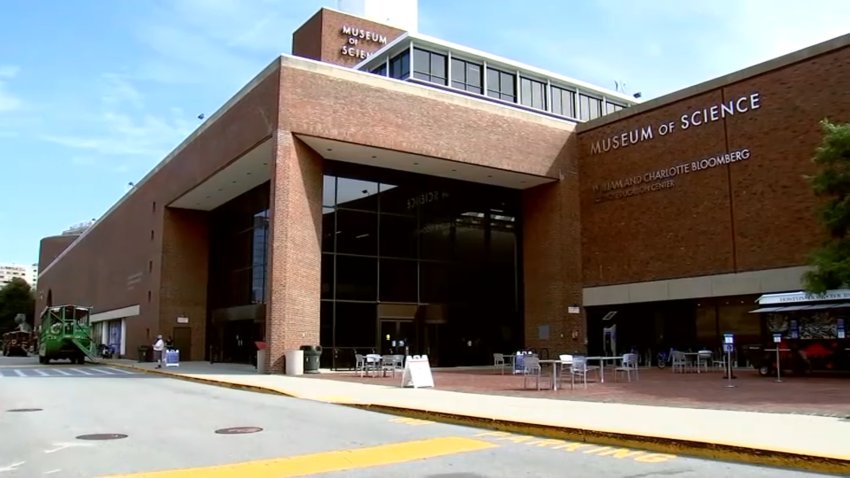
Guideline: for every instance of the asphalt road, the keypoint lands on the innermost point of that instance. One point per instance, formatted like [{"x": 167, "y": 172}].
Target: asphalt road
[{"x": 171, "y": 425}]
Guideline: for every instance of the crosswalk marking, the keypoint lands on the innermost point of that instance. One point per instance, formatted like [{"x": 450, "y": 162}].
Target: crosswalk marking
[
  {"x": 58, "y": 372},
  {"x": 122, "y": 371}
]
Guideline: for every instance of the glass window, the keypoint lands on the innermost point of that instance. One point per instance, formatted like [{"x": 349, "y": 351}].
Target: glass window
[
  {"x": 501, "y": 85},
  {"x": 327, "y": 276},
  {"x": 356, "y": 278},
  {"x": 436, "y": 284},
  {"x": 328, "y": 229},
  {"x": 398, "y": 236},
  {"x": 466, "y": 75},
  {"x": 357, "y": 232},
  {"x": 357, "y": 194},
  {"x": 398, "y": 280},
  {"x": 563, "y": 102},
  {"x": 533, "y": 93},
  {"x": 356, "y": 325},
  {"x": 590, "y": 107},
  {"x": 380, "y": 69},
  {"x": 328, "y": 191},
  {"x": 612, "y": 107},
  {"x": 429, "y": 66},
  {"x": 400, "y": 66}
]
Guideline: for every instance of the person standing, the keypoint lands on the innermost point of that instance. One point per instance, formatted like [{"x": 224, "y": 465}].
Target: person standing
[{"x": 158, "y": 348}]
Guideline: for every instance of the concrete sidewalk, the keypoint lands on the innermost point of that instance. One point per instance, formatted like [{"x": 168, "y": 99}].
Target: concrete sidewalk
[{"x": 799, "y": 441}]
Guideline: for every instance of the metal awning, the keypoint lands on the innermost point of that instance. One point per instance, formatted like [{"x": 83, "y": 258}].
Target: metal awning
[{"x": 791, "y": 308}]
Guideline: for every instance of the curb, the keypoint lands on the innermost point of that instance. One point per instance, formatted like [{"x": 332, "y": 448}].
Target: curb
[{"x": 713, "y": 451}]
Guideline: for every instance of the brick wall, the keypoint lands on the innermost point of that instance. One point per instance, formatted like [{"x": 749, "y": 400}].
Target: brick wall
[
  {"x": 752, "y": 214},
  {"x": 50, "y": 247},
  {"x": 185, "y": 263},
  {"x": 551, "y": 260}
]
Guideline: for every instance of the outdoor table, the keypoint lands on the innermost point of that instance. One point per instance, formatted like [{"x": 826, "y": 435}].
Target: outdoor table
[
  {"x": 375, "y": 360},
  {"x": 554, "y": 363},
  {"x": 602, "y": 360},
  {"x": 688, "y": 354}
]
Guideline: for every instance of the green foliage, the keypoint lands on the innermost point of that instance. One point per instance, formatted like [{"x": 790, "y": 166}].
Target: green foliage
[
  {"x": 16, "y": 297},
  {"x": 831, "y": 262}
]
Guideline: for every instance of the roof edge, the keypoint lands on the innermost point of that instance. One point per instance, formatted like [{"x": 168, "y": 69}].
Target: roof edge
[{"x": 777, "y": 63}]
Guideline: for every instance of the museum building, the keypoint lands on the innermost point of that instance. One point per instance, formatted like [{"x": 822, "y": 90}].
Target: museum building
[{"x": 380, "y": 189}]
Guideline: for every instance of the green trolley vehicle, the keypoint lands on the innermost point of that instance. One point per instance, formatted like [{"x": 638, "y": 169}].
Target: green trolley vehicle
[{"x": 65, "y": 333}]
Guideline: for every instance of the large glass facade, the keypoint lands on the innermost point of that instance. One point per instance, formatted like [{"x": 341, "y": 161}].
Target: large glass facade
[
  {"x": 239, "y": 232},
  {"x": 418, "y": 264}
]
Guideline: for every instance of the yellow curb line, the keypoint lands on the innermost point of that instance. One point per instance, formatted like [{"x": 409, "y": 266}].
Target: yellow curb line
[{"x": 714, "y": 451}]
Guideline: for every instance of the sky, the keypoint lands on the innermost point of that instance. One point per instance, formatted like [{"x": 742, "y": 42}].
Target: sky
[{"x": 95, "y": 93}]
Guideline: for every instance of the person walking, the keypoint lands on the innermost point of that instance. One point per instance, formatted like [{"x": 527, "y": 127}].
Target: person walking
[{"x": 158, "y": 348}]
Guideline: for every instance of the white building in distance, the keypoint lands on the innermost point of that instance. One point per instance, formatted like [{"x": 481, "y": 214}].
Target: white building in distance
[{"x": 9, "y": 270}]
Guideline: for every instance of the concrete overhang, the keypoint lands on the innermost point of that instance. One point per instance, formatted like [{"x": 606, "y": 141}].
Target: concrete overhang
[
  {"x": 245, "y": 173},
  {"x": 416, "y": 163}
]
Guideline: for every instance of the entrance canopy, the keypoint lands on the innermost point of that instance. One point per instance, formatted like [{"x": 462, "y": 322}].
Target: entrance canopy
[
  {"x": 833, "y": 299},
  {"x": 791, "y": 308}
]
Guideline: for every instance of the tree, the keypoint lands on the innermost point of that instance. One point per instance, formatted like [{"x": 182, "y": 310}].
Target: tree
[
  {"x": 831, "y": 262},
  {"x": 16, "y": 297}
]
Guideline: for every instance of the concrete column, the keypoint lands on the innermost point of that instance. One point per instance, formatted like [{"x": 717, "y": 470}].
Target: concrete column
[{"x": 295, "y": 248}]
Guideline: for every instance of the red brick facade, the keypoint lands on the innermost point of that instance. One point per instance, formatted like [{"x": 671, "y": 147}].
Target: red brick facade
[{"x": 752, "y": 214}]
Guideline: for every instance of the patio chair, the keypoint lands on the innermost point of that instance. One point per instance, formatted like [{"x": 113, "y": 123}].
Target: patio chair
[
  {"x": 629, "y": 367},
  {"x": 580, "y": 369},
  {"x": 566, "y": 363},
  {"x": 531, "y": 364},
  {"x": 499, "y": 361},
  {"x": 680, "y": 362},
  {"x": 359, "y": 363}
]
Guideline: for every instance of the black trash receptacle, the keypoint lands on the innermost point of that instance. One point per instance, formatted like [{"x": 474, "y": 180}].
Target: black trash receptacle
[
  {"x": 145, "y": 353},
  {"x": 312, "y": 354}
]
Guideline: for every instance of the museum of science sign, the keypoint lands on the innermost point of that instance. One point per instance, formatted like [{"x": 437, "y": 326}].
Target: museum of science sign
[
  {"x": 352, "y": 46},
  {"x": 665, "y": 177},
  {"x": 692, "y": 119}
]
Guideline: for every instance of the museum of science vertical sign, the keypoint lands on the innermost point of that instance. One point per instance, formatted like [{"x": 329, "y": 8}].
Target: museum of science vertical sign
[
  {"x": 664, "y": 178},
  {"x": 353, "y": 47}
]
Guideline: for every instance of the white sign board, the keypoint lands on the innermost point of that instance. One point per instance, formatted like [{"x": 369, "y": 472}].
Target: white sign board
[
  {"x": 417, "y": 372},
  {"x": 182, "y": 320}
]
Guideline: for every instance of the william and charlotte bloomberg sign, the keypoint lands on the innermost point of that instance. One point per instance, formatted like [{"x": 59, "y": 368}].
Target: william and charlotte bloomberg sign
[{"x": 664, "y": 178}]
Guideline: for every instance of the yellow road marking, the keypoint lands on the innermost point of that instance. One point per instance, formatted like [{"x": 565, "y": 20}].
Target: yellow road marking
[
  {"x": 411, "y": 421},
  {"x": 586, "y": 448},
  {"x": 327, "y": 462}
]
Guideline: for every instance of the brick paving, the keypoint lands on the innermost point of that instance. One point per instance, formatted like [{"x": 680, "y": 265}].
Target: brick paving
[{"x": 810, "y": 395}]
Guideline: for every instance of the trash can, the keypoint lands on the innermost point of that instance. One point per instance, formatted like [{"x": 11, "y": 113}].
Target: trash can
[
  {"x": 145, "y": 353},
  {"x": 261, "y": 356},
  {"x": 312, "y": 354},
  {"x": 294, "y": 362},
  {"x": 261, "y": 361}
]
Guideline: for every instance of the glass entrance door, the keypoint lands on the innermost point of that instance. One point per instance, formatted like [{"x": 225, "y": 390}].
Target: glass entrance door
[{"x": 396, "y": 336}]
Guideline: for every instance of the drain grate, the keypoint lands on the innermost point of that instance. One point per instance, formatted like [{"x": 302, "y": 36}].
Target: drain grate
[
  {"x": 102, "y": 436},
  {"x": 238, "y": 430},
  {"x": 24, "y": 410}
]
